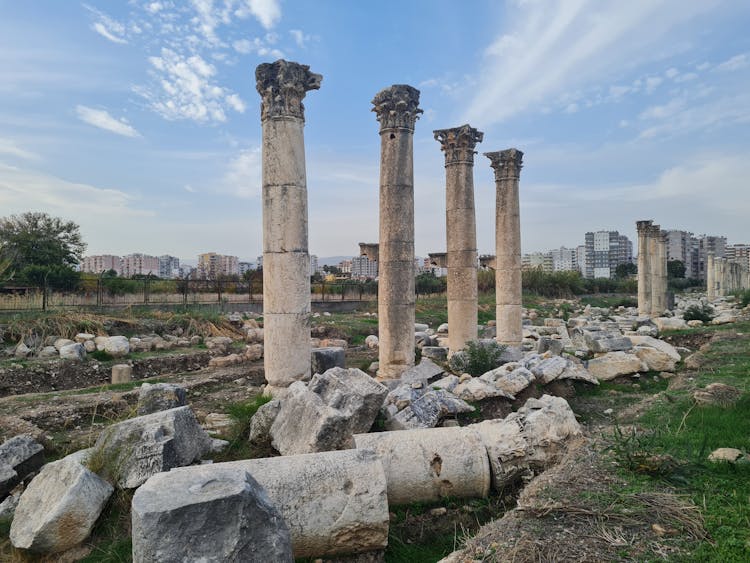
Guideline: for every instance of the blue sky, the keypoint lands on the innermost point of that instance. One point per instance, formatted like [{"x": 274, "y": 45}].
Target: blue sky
[{"x": 139, "y": 119}]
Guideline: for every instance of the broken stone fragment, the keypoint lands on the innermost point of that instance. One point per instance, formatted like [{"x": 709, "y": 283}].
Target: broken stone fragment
[
  {"x": 209, "y": 513},
  {"x": 19, "y": 456},
  {"x": 155, "y": 397}
]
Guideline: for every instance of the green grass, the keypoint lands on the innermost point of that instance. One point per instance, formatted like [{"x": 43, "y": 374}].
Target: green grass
[
  {"x": 688, "y": 433},
  {"x": 606, "y": 301},
  {"x": 241, "y": 413}
]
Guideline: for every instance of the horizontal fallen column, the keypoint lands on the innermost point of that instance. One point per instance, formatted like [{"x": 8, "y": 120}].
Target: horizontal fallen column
[{"x": 426, "y": 465}]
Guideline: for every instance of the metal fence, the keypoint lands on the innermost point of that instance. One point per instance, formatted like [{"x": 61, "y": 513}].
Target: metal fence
[{"x": 120, "y": 292}]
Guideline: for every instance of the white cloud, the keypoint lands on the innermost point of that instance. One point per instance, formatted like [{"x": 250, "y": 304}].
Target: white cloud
[
  {"x": 652, "y": 83},
  {"x": 190, "y": 189},
  {"x": 103, "y": 120},
  {"x": 687, "y": 77},
  {"x": 187, "y": 89},
  {"x": 562, "y": 46},
  {"x": 571, "y": 108},
  {"x": 663, "y": 111},
  {"x": 735, "y": 63},
  {"x": 108, "y": 27},
  {"x": 258, "y": 46},
  {"x": 154, "y": 7},
  {"x": 9, "y": 147},
  {"x": 300, "y": 37},
  {"x": 243, "y": 175},
  {"x": 671, "y": 72},
  {"x": 267, "y": 12}
]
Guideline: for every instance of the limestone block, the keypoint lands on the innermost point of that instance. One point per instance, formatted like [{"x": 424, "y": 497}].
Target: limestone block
[
  {"x": 443, "y": 329},
  {"x": 449, "y": 382},
  {"x": 252, "y": 353},
  {"x": 287, "y": 348},
  {"x": 435, "y": 353},
  {"x": 614, "y": 364},
  {"x": 117, "y": 346},
  {"x": 549, "y": 369},
  {"x": 218, "y": 345},
  {"x": 577, "y": 372},
  {"x": 283, "y": 154},
  {"x": 426, "y": 410},
  {"x": 422, "y": 339},
  {"x": 9, "y": 505},
  {"x": 718, "y": 394},
  {"x": 60, "y": 342},
  {"x": 22, "y": 351},
  {"x": 89, "y": 346},
  {"x": 49, "y": 352},
  {"x": 19, "y": 456},
  {"x": 254, "y": 335},
  {"x": 82, "y": 337},
  {"x": 333, "y": 502},
  {"x": 324, "y": 416},
  {"x": 155, "y": 397},
  {"x": 429, "y": 464},
  {"x": 122, "y": 373},
  {"x": 511, "y": 381},
  {"x": 669, "y": 323},
  {"x": 554, "y": 346},
  {"x": 143, "y": 446},
  {"x": 606, "y": 342},
  {"x": 59, "y": 507},
  {"x": 477, "y": 389},
  {"x": 666, "y": 347},
  {"x": 207, "y": 514},
  {"x": 371, "y": 342},
  {"x": 426, "y": 370},
  {"x": 323, "y": 359},
  {"x": 725, "y": 454},
  {"x": 73, "y": 351},
  {"x": 654, "y": 359},
  {"x": 261, "y": 422}
]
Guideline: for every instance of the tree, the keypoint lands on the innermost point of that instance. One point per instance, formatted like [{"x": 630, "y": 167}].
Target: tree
[
  {"x": 37, "y": 239},
  {"x": 675, "y": 269},
  {"x": 625, "y": 270}
]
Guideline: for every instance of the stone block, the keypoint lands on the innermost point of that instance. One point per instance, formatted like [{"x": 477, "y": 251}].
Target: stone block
[
  {"x": 614, "y": 364},
  {"x": 155, "y": 397},
  {"x": 209, "y": 513},
  {"x": 122, "y": 373},
  {"x": 19, "y": 456},
  {"x": 323, "y": 359}
]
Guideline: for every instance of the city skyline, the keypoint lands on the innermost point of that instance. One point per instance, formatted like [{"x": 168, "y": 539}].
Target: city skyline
[{"x": 140, "y": 120}]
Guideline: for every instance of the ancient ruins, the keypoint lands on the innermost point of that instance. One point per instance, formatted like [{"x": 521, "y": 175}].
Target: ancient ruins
[
  {"x": 286, "y": 263},
  {"x": 342, "y": 448},
  {"x": 460, "y": 224}
]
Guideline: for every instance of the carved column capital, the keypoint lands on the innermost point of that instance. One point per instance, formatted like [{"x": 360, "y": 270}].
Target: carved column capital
[
  {"x": 282, "y": 85},
  {"x": 396, "y": 107},
  {"x": 643, "y": 226},
  {"x": 507, "y": 164},
  {"x": 458, "y": 143}
]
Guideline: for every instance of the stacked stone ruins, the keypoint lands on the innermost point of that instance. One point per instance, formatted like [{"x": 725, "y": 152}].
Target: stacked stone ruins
[
  {"x": 461, "y": 259},
  {"x": 724, "y": 276},
  {"x": 653, "y": 298},
  {"x": 286, "y": 263}
]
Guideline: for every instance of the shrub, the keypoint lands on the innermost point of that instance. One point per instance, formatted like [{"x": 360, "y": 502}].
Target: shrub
[
  {"x": 478, "y": 357},
  {"x": 702, "y": 312},
  {"x": 743, "y": 297}
]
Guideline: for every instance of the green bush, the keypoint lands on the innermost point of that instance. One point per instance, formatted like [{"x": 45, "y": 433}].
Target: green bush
[
  {"x": 478, "y": 357},
  {"x": 743, "y": 297},
  {"x": 702, "y": 312}
]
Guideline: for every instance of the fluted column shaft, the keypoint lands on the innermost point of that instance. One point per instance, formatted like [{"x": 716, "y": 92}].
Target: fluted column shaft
[
  {"x": 644, "y": 276},
  {"x": 658, "y": 270},
  {"x": 397, "y": 110},
  {"x": 461, "y": 232},
  {"x": 286, "y": 261},
  {"x": 507, "y": 166}
]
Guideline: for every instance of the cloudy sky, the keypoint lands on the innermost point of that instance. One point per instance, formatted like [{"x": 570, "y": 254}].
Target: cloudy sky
[{"x": 139, "y": 119}]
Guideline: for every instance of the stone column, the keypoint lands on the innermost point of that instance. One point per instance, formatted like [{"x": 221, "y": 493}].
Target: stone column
[
  {"x": 710, "y": 277},
  {"x": 722, "y": 277},
  {"x": 657, "y": 270},
  {"x": 461, "y": 230},
  {"x": 644, "y": 276},
  {"x": 286, "y": 263},
  {"x": 507, "y": 166},
  {"x": 397, "y": 110}
]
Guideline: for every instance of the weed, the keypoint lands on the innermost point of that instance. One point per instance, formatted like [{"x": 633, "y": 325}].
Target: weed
[
  {"x": 101, "y": 355},
  {"x": 478, "y": 357},
  {"x": 703, "y": 312},
  {"x": 242, "y": 414}
]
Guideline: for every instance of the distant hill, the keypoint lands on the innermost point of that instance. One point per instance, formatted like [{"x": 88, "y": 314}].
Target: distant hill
[{"x": 331, "y": 260}]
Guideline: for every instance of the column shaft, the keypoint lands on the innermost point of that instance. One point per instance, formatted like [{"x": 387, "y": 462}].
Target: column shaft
[
  {"x": 507, "y": 165},
  {"x": 461, "y": 233},
  {"x": 397, "y": 111},
  {"x": 286, "y": 261},
  {"x": 710, "y": 277},
  {"x": 644, "y": 276}
]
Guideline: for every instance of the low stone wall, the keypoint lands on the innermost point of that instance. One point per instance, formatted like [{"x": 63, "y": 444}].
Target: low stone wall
[{"x": 57, "y": 375}]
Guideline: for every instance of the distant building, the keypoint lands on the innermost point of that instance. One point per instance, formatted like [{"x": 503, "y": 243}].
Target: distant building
[
  {"x": 244, "y": 267},
  {"x": 535, "y": 260},
  {"x": 138, "y": 264},
  {"x": 564, "y": 259},
  {"x": 169, "y": 267},
  {"x": 212, "y": 265},
  {"x": 259, "y": 262},
  {"x": 739, "y": 253},
  {"x": 604, "y": 251},
  {"x": 581, "y": 259},
  {"x": 706, "y": 244},
  {"x": 101, "y": 263},
  {"x": 345, "y": 266},
  {"x": 363, "y": 268},
  {"x": 683, "y": 246}
]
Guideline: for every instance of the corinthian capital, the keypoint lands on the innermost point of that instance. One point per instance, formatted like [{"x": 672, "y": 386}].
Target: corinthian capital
[
  {"x": 458, "y": 143},
  {"x": 643, "y": 226},
  {"x": 506, "y": 164},
  {"x": 396, "y": 107},
  {"x": 281, "y": 86}
]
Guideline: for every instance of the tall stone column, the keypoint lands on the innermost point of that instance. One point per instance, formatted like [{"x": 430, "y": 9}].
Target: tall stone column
[
  {"x": 710, "y": 276},
  {"x": 722, "y": 277},
  {"x": 507, "y": 166},
  {"x": 644, "y": 276},
  {"x": 658, "y": 270},
  {"x": 286, "y": 263},
  {"x": 397, "y": 110},
  {"x": 461, "y": 229}
]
